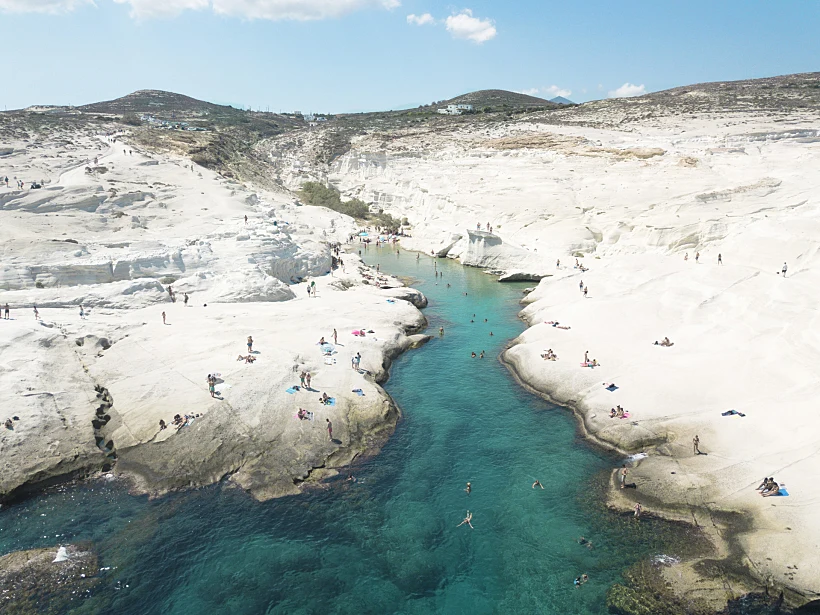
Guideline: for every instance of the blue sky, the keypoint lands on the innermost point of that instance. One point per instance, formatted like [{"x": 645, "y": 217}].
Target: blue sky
[{"x": 356, "y": 55}]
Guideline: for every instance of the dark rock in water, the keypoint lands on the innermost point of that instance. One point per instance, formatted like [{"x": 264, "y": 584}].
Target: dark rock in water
[{"x": 33, "y": 582}]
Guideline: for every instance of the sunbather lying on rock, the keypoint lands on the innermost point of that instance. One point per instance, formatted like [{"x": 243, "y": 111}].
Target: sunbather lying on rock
[{"x": 664, "y": 342}]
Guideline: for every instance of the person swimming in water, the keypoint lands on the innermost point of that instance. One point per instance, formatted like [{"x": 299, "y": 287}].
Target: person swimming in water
[
  {"x": 537, "y": 483},
  {"x": 469, "y": 488},
  {"x": 468, "y": 520}
]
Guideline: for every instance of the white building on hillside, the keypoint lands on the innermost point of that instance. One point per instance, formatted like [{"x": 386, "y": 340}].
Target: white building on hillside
[{"x": 455, "y": 109}]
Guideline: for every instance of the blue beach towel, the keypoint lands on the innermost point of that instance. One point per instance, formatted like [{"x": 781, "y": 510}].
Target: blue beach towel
[
  {"x": 782, "y": 492},
  {"x": 391, "y": 301},
  {"x": 331, "y": 402},
  {"x": 291, "y": 390}
]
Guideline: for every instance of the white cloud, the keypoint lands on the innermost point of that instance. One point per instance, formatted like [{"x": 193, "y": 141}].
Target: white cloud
[
  {"x": 553, "y": 91},
  {"x": 143, "y": 9},
  {"x": 464, "y": 25},
  {"x": 547, "y": 92},
  {"x": 420, "y": 20},
  {"x": 628, "y": 89},
  {"x": 297, "y": 10},
  {"x": 41, "y": 6},
  {"x": 300, "y": 10}
]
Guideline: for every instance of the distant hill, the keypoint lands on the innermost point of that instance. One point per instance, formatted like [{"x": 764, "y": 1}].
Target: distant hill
[
  {"x": 560, "y": 100},
  {"x": 773, "y": 96},
  {"x": 497, "y": 99},
  {"x": 157, "y": 102}
]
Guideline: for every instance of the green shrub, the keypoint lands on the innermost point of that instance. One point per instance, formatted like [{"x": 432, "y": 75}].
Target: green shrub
[{"x": 314, "y": 193}]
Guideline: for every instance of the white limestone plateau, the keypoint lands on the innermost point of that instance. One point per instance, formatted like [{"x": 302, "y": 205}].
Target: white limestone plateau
[
  {"x": 630, "y": 202},
  {"x": 110, "y": 230}
]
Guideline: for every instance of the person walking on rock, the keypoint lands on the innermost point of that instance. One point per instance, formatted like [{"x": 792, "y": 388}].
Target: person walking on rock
[
  {"x": 622, "y": 476},
  {"x": 163, "y": 318},
  {"x": 250, "y": 344},
  {"x": 329, "y": 430},
  {"x": 36, "y": 313},
  {"x": 695, "y": 445},
  {"x": 720, "y": 259},
  {"x": 307, "y": 380},
  {"x": 335, "y": 337},
  {"x": 785, "y": 269},
  {"x": 7, "y": 311},
  {"x": 185, "y": 301}
]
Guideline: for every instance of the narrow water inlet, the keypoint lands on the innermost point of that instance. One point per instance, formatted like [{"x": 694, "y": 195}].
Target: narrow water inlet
[{"x": 386, "y": 541}]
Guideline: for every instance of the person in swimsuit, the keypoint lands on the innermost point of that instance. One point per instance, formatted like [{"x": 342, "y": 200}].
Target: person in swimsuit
[
  {"x": 250, "y": 343},
  {"x": 537, "y": 483},
  {"x": 469, "y": 488},
  {"x": 622, "y": 476},
  {"x": 468, "y": 520}
]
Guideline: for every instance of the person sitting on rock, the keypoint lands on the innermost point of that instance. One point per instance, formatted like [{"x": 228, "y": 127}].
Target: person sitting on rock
[
  {"x": 162, "y": 425},
  {"x": 613, "y": 413},
  {"x": 772, "y": 489},
  {"x": 325, "y": 399},
  {"x": 9, "y": 424}
]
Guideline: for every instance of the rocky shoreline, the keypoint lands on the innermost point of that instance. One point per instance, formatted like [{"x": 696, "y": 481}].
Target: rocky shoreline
[{"x": 707, "y": 583}]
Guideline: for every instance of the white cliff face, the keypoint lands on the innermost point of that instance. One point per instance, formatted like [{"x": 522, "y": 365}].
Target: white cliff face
[
  {"x": 88, "y": 389},
  {"x": 551, "y": 192},
  {"x": 639, "y": 214},
  {"x": 91, "y": 235}
]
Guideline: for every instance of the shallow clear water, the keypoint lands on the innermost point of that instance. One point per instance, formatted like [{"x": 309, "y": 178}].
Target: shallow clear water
[{"x": 387, "y": 543}]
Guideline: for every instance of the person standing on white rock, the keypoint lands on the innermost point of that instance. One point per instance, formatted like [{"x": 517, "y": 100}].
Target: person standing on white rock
[{"x": 785, "y": 269}]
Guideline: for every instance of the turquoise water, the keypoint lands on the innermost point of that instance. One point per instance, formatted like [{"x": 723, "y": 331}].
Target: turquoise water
[{"x": 387, "y": 543}]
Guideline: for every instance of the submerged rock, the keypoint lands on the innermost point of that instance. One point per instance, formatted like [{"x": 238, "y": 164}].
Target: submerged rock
[{"x": 46, "y": 580}]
